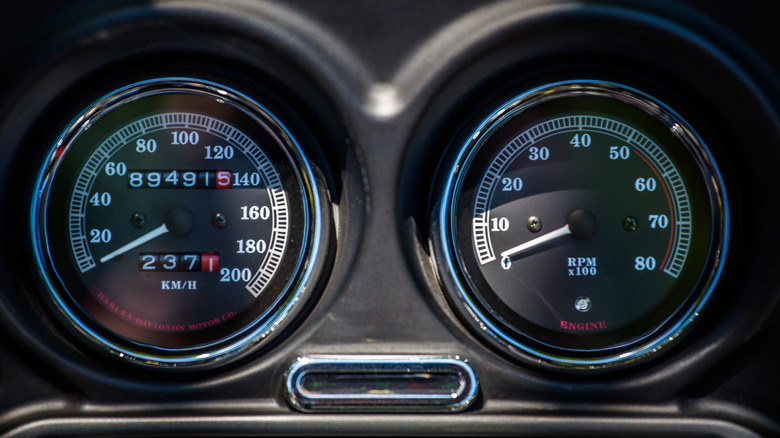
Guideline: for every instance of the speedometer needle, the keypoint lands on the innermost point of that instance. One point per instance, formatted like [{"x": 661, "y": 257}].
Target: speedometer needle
[
  {"x": 155, "y": 233},
  {"x": 581, "y": 224},
  {"x": 178, "y": 221}
]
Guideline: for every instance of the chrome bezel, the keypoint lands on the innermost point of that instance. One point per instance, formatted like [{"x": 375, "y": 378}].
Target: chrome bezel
[
  {"x": 444, "y": 241},
  {"x": 243, "y": 341}
]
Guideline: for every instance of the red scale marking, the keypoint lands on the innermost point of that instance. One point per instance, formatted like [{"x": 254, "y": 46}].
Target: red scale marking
[{"x": 671, "y": 211}]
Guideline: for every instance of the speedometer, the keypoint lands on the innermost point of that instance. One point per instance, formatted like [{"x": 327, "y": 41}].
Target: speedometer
[
  {"x": 178, "y": 223},
  {"x": 581, "y": 225}
]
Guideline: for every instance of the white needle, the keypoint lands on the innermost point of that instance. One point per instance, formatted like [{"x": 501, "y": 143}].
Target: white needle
[
  {"x": 533, "y": 243},
  {"x": 155, "y": 233}
]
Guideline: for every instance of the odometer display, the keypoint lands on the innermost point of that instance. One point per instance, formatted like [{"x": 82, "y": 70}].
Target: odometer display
[
  {"x": 178, "y": 222},
  {"x": 583, "y": 223}
]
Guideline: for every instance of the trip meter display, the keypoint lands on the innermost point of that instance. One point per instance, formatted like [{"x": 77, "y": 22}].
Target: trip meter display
[
  {"x": 582, "y": 225},
  {"x": 178, "y": 223}
]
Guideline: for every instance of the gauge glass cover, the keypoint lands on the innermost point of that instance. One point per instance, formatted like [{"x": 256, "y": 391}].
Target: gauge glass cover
[
  {"x": 178, "y": 223},
  {"x": 582, "y": 223}
]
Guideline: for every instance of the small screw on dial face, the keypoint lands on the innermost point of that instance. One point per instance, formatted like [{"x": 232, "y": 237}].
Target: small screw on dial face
[
  {"x": 219, "y": 220},
  {"x": 630, "y": 224},
  {"x": 534, "y": 224},
  {"x": 138, "y": 220}
]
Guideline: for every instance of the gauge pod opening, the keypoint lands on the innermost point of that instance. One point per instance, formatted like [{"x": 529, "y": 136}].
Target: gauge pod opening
[
  {"x": 581, "y": 225},
  {"x": 178, "y": 224}
]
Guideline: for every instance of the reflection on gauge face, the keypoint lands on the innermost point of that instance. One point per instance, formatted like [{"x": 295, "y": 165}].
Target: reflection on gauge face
[
  {"x": 178, "y": 222},
  {"x": 584, "y": 224}
]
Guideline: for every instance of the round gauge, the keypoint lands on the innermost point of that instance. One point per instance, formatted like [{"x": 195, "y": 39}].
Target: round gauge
[
  {"x": 177, "y": 223},
  {"x": 582, "y": 225}
]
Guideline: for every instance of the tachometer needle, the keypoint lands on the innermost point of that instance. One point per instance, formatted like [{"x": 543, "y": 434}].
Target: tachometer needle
[
  {"x": 533, "y": 243},
  {"x": 581, "y": 224},
  {"x": 155, "y": 233}
]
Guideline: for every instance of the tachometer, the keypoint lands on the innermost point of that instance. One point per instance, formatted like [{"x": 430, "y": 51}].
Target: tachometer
[
  {"x": 177, "y": 223},
  {"x": 582, "y": 225}
]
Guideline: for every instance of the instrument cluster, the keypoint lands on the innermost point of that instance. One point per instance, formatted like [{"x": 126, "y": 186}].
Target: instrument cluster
[{"x": 221, "y": 218}]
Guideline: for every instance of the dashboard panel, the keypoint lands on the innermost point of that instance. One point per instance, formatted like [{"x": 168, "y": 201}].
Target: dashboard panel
[{"x": 254, "y": 218}]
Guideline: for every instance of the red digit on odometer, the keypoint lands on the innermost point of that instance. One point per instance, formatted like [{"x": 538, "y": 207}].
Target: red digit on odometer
[
  {"x": 209, "y": 262},
  {"x": 224, "y": 180}
]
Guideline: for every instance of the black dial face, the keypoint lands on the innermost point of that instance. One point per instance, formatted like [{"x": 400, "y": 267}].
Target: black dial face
[
  {"x": 178, "y": 221},
  {"x": 584, "y": 224}
]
